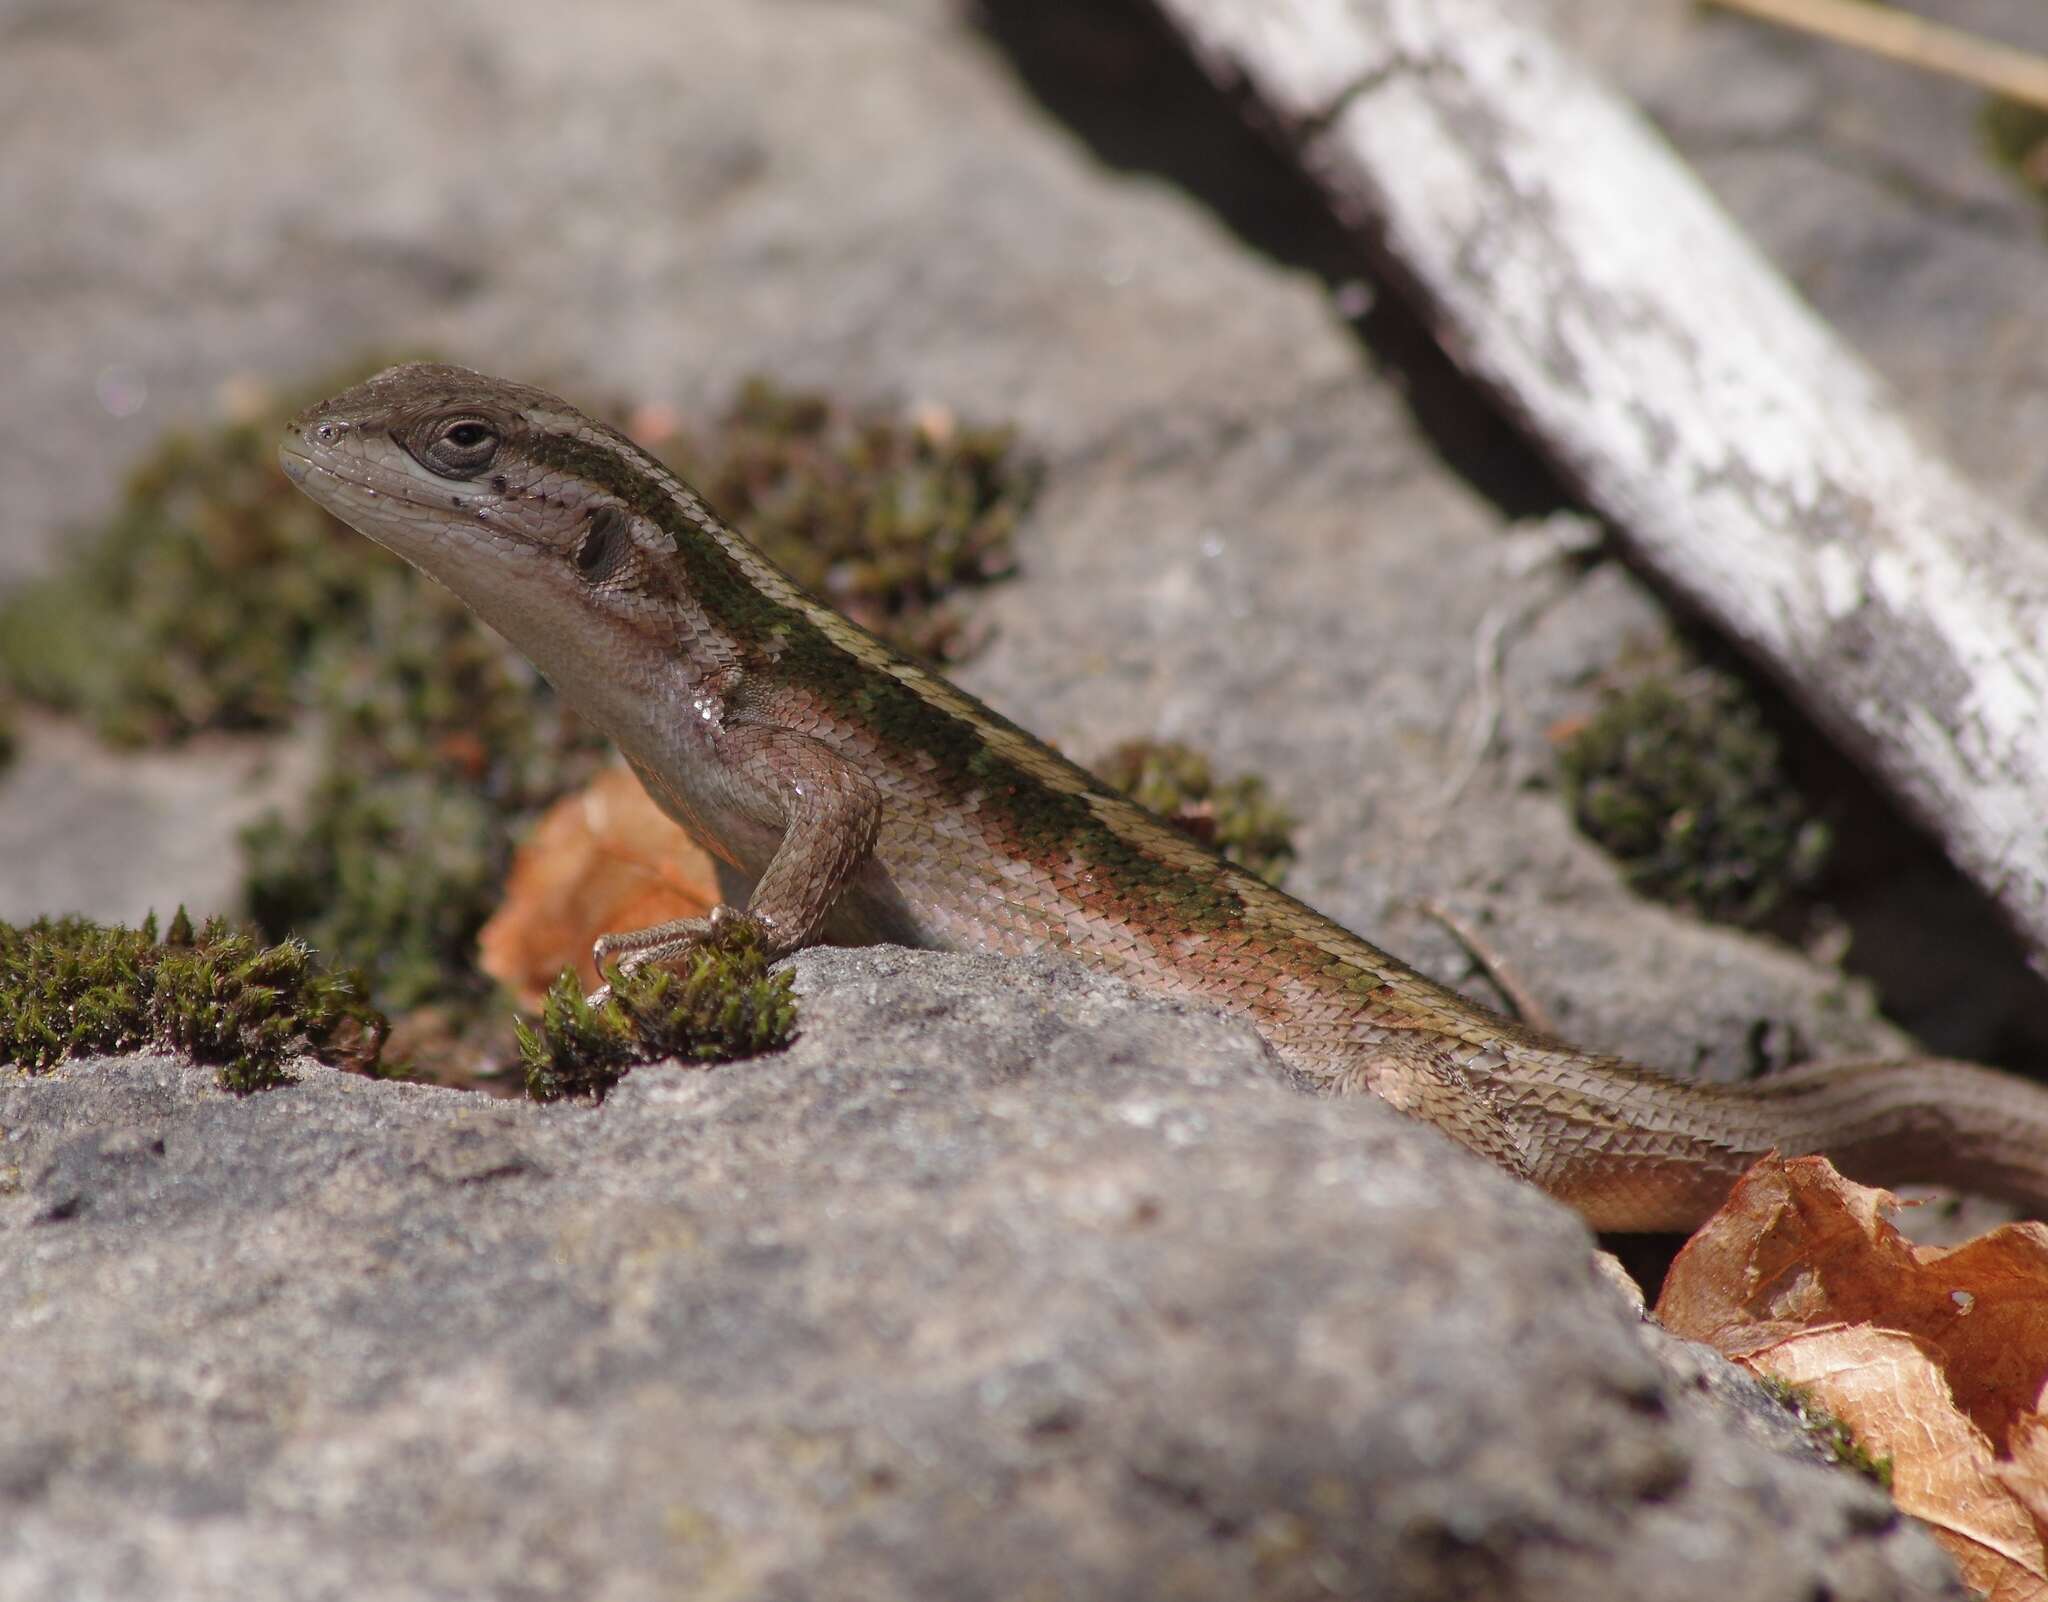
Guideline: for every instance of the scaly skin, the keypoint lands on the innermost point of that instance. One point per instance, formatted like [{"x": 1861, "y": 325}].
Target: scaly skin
[{"x": 857, "y": 797}]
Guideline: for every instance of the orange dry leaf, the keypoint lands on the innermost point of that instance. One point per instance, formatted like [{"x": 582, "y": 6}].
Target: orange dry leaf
[
  {"x": 1934, "y": 1357},
  {"x": 1889, "y": 1390},
  {"x": 601, "y": 860},
  {"x": 2026, "y": 1473}
]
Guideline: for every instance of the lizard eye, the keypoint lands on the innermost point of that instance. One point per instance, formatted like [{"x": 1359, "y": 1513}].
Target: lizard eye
[{"x": 455, "y": 447}]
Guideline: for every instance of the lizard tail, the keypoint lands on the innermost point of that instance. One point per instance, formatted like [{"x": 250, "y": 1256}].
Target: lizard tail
[{"x": 1636, "y": 1151}]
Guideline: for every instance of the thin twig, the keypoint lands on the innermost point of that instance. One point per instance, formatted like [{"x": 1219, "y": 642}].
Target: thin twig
[
  {"x": 1489, "y": 662},
  {"x": 2002, "y": 69},
  {"x": 1524, "y": 1005}
]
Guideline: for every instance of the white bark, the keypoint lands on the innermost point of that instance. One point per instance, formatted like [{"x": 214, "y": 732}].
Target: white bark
[{"x": 1572, "y": 263}]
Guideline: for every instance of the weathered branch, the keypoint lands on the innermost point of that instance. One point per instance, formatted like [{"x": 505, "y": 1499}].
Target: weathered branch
[{"x": 1572, "y": 263}]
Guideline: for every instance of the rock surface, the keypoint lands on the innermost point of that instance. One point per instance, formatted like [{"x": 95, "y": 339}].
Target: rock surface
[{"x": 999, "y": 1283}]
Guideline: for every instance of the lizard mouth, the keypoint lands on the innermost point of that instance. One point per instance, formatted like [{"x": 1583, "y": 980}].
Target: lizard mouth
[
  {"x": 327, "y": 481},
  {"x": 297, "y": 466},
  {"x": 317, "y": 478},
  {"x": 395, "y": 508},
  {"x": 329, "y": 484}
]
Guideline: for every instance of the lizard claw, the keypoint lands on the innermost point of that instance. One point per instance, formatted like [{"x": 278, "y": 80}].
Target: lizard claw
[{"x": 664, "y": 943}]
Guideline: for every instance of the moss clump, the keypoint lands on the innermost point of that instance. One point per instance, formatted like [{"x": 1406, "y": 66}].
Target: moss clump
[
  {"x": 724, "y": 1003},
  {"x": 1236, "y": 816},
  {"x": 69, "y": 986},
  {"x": 1679, "y": 779},
  {"x": 883, "y": 517},
  {"x": 1826, "y": 1431},
  {"x": 2016, "y": 134}
]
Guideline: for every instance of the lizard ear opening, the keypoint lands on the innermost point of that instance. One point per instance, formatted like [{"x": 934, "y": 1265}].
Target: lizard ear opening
[{"x": 606, "y": 544}]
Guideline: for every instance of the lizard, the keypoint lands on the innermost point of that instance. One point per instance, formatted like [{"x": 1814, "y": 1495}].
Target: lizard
[{"x": 853, "y": 796}]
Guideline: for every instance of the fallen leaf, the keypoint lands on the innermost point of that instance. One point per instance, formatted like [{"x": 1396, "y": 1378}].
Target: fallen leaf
[
  {"x": 599, "y": 861},
  {"x": 1889, "y": 1390},
  {"x": 1934, "y": 1357},
  {"x": 2025, "y": 1473}
]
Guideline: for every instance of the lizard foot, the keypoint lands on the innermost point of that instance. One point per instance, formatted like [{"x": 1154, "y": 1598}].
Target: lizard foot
[{"x": 634, "y": 949}]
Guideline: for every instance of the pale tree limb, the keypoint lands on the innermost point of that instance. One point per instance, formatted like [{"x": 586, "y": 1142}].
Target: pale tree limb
[{"x": 1575, "y": 266}]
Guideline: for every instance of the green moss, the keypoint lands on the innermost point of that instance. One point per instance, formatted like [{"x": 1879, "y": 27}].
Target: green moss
[
  {"x": 723, "y": 1004},
  {"x": 1829, "y": 1433},
  {"x": 882, "y": 516},
  {"x": 1237, "y": 816},
  {"x": 1680, "y": 780},
  {"x": 69, "y": 987},
  {"x": 2016, "y": 135}
]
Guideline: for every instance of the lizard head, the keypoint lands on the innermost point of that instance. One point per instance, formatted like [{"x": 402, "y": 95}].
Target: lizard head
[
  {"x": 559, "y": 532},
  {"x": 461, "y": 474}
]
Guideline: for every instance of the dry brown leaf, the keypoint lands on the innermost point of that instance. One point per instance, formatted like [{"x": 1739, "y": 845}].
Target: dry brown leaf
[
  {"x": 1796, "y": 1245},
  {"x": 603, "y": 859},
  {"x": 2025, "y": 1471},
  {"x": 1934, "y": 1357},
  {"x": 1888, "y": 1388}
]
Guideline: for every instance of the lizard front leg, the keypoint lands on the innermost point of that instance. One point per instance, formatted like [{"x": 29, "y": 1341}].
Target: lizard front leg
[{"x": 828, "y": 811}]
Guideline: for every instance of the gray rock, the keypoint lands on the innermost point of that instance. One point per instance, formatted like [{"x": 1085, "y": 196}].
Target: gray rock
[{"x": 1001, "y": 1282}]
